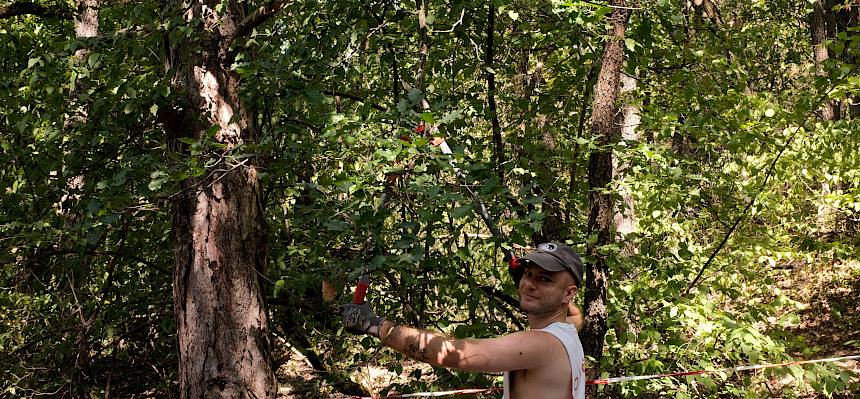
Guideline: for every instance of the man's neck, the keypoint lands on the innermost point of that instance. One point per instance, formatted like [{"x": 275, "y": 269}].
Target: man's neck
[{"x": 538, "y": 321}]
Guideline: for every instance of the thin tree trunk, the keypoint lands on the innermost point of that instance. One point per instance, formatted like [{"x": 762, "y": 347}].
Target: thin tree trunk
[
  {"x": 818, "y": 31},
  {"x": 818, "y": 26},
  {"x": 86, "y": 22},
  {"x": 601, "y": 206},
  {"x": 628, "y": 119},
  {"x": 498, "y": 145},
  {"x": 851, "y": 19},
  {"x": 86, "y": 19},
  {"x": 422, "y": 45},
  {"x": 219, "y": 231}
]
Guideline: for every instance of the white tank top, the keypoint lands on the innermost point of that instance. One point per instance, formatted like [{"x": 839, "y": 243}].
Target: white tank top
[{"x": 566, "y": 334}]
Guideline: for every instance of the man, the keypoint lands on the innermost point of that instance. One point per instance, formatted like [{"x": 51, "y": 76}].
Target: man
[{"x": 545, "y": 361}]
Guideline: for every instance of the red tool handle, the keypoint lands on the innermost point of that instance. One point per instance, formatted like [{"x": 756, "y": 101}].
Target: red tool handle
[
  {"x": 361, "y": 289},
  {"x": 514, "y": 262}
]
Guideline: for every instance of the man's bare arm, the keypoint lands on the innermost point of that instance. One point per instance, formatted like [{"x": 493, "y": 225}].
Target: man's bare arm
[{"x": 521, "y": 350}]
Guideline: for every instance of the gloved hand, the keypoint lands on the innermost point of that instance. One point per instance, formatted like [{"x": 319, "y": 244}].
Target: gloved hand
[{"x": 360, "y": 319}]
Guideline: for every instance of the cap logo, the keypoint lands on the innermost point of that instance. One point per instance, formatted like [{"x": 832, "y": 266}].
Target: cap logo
[{"x": 548, "y": 246}]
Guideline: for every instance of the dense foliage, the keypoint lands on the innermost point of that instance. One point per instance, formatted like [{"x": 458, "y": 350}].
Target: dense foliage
[{"x": 736, "y": 177}]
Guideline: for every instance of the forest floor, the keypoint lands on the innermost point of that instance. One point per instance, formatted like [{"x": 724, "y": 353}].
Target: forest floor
[{"x": 826, "y": 293}]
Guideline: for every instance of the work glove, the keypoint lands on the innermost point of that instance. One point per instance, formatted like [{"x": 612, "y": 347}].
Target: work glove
[{"x": 360, "y": 319}]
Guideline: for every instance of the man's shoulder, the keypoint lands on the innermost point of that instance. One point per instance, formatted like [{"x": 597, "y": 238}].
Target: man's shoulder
[
  {"x": 561, "y": 326},
  {"x": 540, "y": 341},
  {"x": 567, "y": 336},
  {"x": 533, "y": 339}
]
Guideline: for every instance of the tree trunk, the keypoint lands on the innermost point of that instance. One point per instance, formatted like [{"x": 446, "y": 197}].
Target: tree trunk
[
  {"x": 628, "y": 120},
  {"x": 818, "y": 27},
  {"x": 818, "y": 30},
  {"x": 851, "y": 19},
  {"x": 86, "y": 20},
  {"x": 601, "y": 206},
  {"x": 219, "y": 230},
  {"x": 492, "y": 113}
]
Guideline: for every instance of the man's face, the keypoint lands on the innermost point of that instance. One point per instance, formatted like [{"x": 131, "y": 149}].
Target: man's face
[{"x": 543, "y": 291}]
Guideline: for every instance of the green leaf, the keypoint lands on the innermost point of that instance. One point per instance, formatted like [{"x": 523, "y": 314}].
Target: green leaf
[
  {"x": 414, "y": 95},
  {"x": 93, "y": 60},
  {"x": 93, "y": 206},
  {"x": 461, "y": 211},
  {"x": 630, "y": 43},
  {"x": 120, "y": 177},
  {"x": 403, "y": 105},
  {"x": 155, "y": 185}
]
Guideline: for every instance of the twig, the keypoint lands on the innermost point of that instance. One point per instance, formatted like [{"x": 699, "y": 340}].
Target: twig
[
  {"x": 610, "y": 6},
  {"x": 210, "y": 174},
  {"x": 459, "y": 21}
]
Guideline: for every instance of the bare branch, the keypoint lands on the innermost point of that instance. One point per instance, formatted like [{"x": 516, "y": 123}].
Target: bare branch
[
  {"x": 29, "y": 8},
  {"x": 259, "y": 16},
  {"x": 459, "y": 21}
]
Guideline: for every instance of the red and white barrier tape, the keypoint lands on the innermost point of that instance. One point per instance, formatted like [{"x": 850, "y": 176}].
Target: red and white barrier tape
[
  {"x": 605, "y": 381},
  {"x": 612, "y": 380},
  {"x": 470, "y": 391}
]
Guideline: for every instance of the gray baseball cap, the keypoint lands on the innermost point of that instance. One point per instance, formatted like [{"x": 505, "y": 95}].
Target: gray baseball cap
[{"x": 555, "y": 257}]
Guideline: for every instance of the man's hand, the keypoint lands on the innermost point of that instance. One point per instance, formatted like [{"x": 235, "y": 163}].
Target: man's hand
[
  {"x": 574, "y": 316},
  {"x": 360, "y": 319}
]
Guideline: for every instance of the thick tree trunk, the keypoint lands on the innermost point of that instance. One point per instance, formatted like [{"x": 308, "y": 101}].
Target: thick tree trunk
[
  {"x": 601, "y": 206},
  {"x": 219, "y": 230}
]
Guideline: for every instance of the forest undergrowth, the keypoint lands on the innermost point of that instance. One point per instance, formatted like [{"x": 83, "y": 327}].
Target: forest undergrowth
[{"x": 823, "y": 307}]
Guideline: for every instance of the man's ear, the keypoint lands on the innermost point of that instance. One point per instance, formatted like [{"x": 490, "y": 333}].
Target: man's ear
[{"x": 570, "y": 293}]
